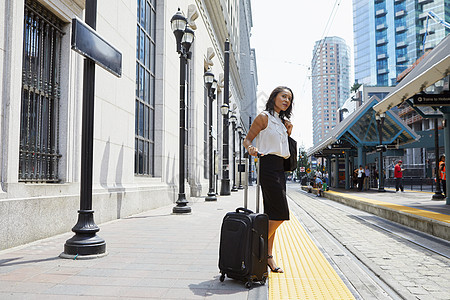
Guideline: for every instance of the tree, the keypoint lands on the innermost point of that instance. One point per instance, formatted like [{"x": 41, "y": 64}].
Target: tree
[
  {"x": 355, "y": 87},
  {"x": 302, "y": 162}
]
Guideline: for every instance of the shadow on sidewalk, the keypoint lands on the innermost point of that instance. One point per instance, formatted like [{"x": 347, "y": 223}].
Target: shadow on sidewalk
[
  {"x": 6, "y": 262},
  {"x": 145, "y": 217},
  {"x": 228, "y": 287}
]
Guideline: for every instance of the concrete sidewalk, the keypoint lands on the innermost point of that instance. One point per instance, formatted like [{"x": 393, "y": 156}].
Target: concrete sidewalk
[{"x": 150, "y": 255}]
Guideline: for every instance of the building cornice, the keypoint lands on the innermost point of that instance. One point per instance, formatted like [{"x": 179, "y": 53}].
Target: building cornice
[{"x": 214, "y": 19}]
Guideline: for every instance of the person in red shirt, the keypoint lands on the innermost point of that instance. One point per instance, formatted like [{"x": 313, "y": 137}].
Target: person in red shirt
[
  {"x": 398, "y": 174},
  {"x": 442, "y": 173}
]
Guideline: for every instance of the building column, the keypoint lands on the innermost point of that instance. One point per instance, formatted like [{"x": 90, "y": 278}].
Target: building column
[
  {"x": 329, "y": 170},
  {"x": 446, "y": 111},
  {"x": 336, "y": 172},
  {"x": 360, "y": 156},
  {"x": 347, "y": 171}
]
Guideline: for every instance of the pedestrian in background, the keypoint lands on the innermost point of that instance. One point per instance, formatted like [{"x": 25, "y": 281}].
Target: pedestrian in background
[
  {"x": 367, "y": 178},
  {"x": 361, "y": 174},
  {"x": 355, "y": 178},
  {"x": 442, "y": 174},
  {"x": 271, "y": 129},
  {"x": 398, "y": 174},
  {"x": 319, "y": 185}
]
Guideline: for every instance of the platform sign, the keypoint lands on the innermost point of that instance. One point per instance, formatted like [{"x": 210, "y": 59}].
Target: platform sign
[{"x": 431, "y": 99}]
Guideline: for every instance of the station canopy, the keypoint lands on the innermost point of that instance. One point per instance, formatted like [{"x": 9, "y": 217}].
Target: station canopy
[
  {"x": 432, "y": 68},
  {"x": 360, "y": 130}
]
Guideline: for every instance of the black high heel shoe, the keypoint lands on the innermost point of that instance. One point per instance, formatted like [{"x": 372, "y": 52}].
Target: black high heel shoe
[{"x": 277, "y": 269}]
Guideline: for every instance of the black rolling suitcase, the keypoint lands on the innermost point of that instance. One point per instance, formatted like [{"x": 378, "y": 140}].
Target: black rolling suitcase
[{"x": 243, "y": 242}]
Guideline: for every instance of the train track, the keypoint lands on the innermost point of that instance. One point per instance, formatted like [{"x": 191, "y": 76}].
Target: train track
[{"x": 328, "y": 240}]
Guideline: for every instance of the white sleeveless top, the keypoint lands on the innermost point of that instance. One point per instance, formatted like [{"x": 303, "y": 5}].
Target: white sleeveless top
[{"x": 274, "y": 138}]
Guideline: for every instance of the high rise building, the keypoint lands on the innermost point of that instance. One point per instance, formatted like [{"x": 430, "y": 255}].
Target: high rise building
[
  {"x": 330, "y": 83},
  {"x": 389, "y": 35}
]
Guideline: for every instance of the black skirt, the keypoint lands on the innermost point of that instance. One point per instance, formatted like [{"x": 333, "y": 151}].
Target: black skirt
[{"x": 273, "y": 185}]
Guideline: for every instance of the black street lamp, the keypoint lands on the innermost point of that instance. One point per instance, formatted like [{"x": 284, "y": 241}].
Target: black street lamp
[
  {"x": 250, "y": 177},
  {"x": 211, "y": 86},
  {"x": 380, "y": 121},
  {"x": 233, "y": 120},
  {"x": 184, "y": 36},
  {"x": 240, "y": 135},
  {"x": 225, "y": 186}
]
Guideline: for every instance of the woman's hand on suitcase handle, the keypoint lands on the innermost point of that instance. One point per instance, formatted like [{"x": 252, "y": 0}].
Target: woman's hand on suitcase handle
[{"x": 253, "y": 151}]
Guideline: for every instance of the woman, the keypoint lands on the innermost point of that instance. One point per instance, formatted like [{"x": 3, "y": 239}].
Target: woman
[{"x": 272, "y": 127}]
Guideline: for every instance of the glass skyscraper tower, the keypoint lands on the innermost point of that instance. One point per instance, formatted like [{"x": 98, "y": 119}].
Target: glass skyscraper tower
[
  {"x": 391, "y": 33},
  {"x": 330, "y": 84}
]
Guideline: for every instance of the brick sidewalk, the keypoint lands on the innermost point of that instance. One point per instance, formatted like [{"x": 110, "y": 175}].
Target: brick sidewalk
[{"x": 150, "y": 255}]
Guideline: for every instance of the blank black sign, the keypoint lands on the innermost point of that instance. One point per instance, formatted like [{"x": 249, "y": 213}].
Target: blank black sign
[{"x": 89, "y": 44}]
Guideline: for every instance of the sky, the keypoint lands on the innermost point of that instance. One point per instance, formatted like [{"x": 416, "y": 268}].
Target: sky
[{"x": 283, "y": 35}]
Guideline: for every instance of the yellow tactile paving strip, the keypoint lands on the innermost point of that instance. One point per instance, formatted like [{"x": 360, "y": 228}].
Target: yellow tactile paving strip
[
  {"x": 406, "y": 209},
  {"x": 307, "y": 273},
  {"x": 406, "y": 189}
]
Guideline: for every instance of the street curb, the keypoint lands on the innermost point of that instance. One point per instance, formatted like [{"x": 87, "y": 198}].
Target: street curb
[{"x": 434, "y": 227}]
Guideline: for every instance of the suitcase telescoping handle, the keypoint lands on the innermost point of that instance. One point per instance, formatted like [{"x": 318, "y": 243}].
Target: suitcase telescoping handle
[
  {"x": 247, "y": 171},
  {"x": 246, "y": 155},
  {"x": 243, "y": 209},
  {"x": 258, "y": 165}
]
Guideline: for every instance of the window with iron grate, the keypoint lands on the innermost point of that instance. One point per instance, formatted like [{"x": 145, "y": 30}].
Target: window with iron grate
[{"x": 39, "y": 120}]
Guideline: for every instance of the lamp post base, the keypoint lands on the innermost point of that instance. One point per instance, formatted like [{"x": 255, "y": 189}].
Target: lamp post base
[
  {"x": 438, "y": 196},
  {"x": 225, "y": 187},
  {"x": 84, "y": 245},
  {"x": 211, "y": 196},
  {"x": 234, "y": 188},
  {"x": 240, "y": 187},
  {"x": 181, "y": 207},
  {"x": 181, "y": 210},
  {"x": 85, "y": 242}
]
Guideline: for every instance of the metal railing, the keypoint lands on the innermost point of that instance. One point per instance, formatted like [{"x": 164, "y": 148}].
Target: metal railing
[{"x": 414, "y": 184}]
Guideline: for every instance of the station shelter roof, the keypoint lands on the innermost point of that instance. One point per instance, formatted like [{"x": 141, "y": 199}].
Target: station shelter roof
[
  {"x": 432, "y": 68},
  {"x": 360, "y": 130}
]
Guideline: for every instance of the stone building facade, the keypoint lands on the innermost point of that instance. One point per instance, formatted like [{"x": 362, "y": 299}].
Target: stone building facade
[{"x": 136, "y": 119}]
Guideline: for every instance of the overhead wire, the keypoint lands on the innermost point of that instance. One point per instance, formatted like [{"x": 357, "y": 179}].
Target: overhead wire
[{"x": 322, "y": 40}]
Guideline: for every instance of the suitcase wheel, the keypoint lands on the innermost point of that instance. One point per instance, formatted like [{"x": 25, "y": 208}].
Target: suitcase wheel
[
  {"x": 248, "y": 284},
  {"x": 263, "y": 281},
  {"x": 222, "y": 277}
]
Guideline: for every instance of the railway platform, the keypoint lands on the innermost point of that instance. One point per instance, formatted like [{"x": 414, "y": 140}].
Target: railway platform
[{"x": 415, "y": 209}]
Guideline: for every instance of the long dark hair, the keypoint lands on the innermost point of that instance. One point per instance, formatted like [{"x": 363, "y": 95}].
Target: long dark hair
[{"x": 271, "y": 102}]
